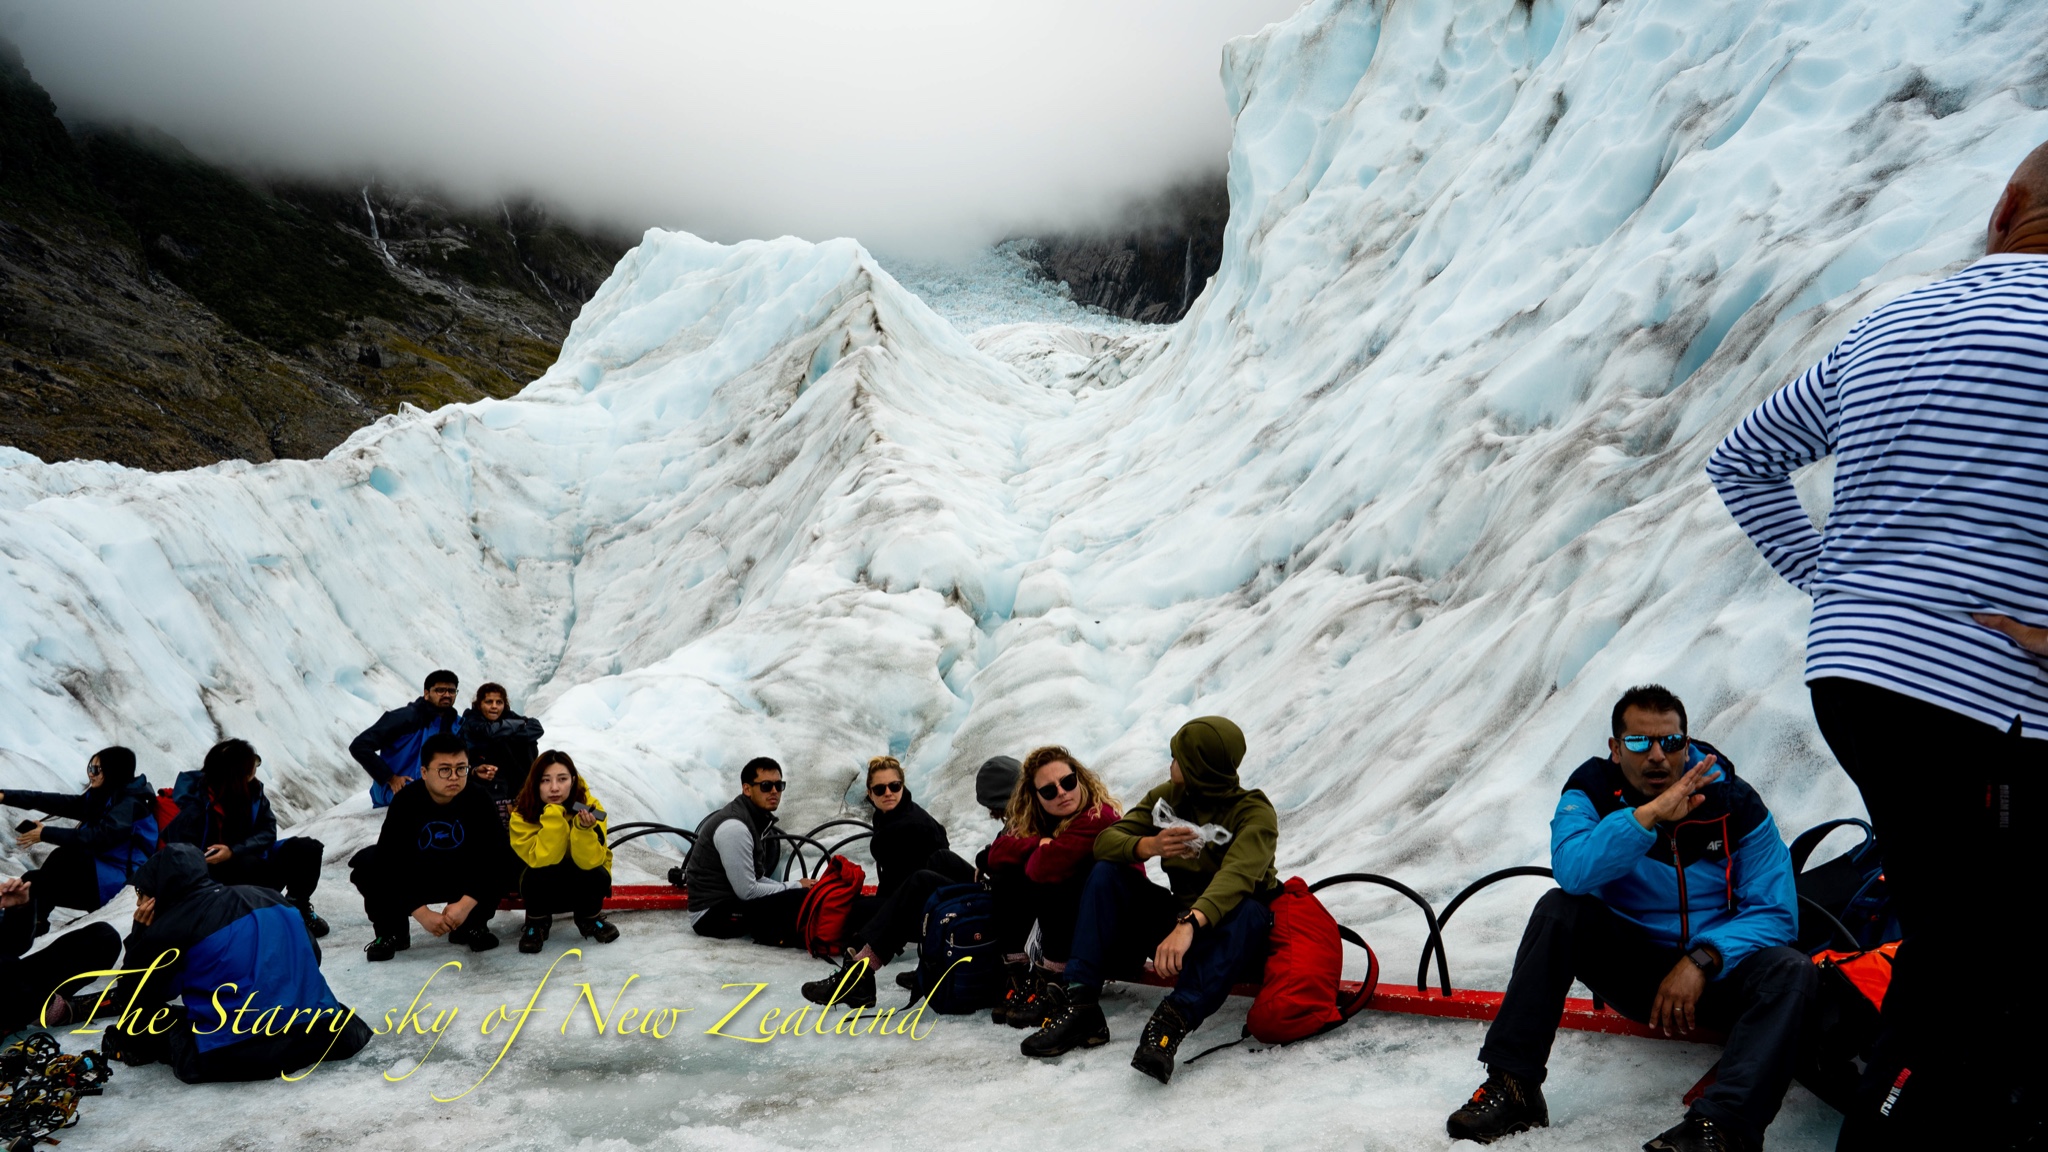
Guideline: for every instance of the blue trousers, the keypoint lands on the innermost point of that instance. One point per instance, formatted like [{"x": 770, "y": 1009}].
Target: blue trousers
[{"x": 1123, "y": 918}]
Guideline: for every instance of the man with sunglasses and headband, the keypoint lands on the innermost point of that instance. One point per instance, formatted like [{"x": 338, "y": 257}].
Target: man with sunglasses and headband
[
  {"x": 730, "y": 876},
  {"x": 1675, "y": 905}
]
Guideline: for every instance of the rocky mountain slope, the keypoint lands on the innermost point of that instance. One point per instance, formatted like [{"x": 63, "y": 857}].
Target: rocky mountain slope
[
  {"x": 161, "y": 312},
  {"x": 1152, "y": 262}
]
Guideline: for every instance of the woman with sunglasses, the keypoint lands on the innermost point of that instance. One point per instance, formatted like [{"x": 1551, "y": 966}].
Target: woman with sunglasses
[
  {"x": 1038, "y": 867},
  {"x": 116, "y": 832},
  {"x": 906, "y": 840}
]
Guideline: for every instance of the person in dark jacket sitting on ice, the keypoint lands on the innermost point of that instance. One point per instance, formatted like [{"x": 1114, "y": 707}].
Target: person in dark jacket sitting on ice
[
  {"x": 32, "y": 987},
  {"x": 237, "y": 952},
  {"x": 1675, "y": 905},
  {"x": 898, "y": 916},
  {"x": 730, "y": 875},
  {"x": 442, "y": 843},
  {"x": 116, "y": 832},
  {"x": 389, "y": 750},
  {"x": 905, "y": 842},
  {"x": 1206, "y": 933},
  {"x": 223, "y": 811},
  {"x": 502, "y": 744}
]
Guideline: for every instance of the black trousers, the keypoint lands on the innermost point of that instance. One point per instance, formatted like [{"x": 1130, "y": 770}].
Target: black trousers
[
  {"x": 770, "y": 920},
  {"x": 899, "y": 918},
  {"x": 1762, "y": 1004},
  {"x": 26, "y": 982},
  {"x": 1951, "y": 800},
  {"x": 389, "y": 901},
  {"x": 1022, "y": 902},
  {"x": 563, "y": 887},
  {"x": 68, "y": 878},
  {"x": 292, "y": 867}
]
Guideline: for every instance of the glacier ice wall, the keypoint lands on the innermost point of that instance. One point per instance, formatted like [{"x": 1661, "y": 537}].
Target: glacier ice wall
[{"x": 1412, "y": 492}]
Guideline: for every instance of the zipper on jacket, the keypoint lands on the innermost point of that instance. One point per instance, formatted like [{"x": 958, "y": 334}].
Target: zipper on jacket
[{"x": 1684, "y": 905}]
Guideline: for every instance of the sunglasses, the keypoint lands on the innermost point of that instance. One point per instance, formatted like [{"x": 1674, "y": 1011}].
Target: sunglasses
[
  {"x": 770, "y": 785},
  {"x": 1670, "y": 744},
  {"x": 886, "y": 787},
  {"x": 1051, "y": 791}
]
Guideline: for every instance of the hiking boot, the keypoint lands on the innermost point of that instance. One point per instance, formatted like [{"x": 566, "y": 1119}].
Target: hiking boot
[
  {"x": 534, "y": 936},
  {"x": 860, "y": 986},
  {"x": 1161, "y": 1041},
  {"x": 1699, "y": 1134},
  {"x": 1073, "y": 1019},
  {"x": 478, "y": 939},
  {"x": 1021, "y": 987},
  {"x": 907, "y": 980},
  {"x": 384, "y": 947},
  {"x": 598, "y": 927},
  {"x": 314, "y": 924},
  {"x": 1504, "y": 1105}
]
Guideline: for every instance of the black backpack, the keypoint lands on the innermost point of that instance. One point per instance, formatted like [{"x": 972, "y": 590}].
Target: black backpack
[
  {"x": 959, "y": 929},
  {"x": 1842, "y": 903}
]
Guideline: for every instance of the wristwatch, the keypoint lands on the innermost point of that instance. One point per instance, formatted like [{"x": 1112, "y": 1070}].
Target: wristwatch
[
  {"x": 1705, "y": 958},
  {"x": 1188, "y": 918}
]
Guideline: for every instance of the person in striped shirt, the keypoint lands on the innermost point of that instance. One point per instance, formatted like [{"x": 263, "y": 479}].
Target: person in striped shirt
[{"x": 1923, "y": 658}]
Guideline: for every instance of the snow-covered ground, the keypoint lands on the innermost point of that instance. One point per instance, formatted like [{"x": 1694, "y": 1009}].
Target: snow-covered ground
[{"x": 1412, "y": 493}]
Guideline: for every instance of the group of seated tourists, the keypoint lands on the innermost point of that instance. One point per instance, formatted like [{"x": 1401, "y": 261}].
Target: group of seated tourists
[{"x": 1674, "y": 902}]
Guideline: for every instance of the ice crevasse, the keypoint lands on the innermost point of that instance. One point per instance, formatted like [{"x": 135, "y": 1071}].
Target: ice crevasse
[{"x": 1412, "y": 492}]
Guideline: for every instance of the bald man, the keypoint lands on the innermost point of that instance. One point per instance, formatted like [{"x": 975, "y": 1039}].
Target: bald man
[{"x": 1924, "y": 655}]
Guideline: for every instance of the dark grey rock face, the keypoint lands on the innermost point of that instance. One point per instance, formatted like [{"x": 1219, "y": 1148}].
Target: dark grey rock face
[{"x": 1150, "y": 266}]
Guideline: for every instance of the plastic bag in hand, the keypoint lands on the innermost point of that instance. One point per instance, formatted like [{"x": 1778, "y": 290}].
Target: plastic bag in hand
[{"x": 1164, "y": 817}]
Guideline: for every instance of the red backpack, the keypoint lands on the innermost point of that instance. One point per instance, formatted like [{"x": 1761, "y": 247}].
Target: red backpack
[
  {"x": 166, "y": 808},
  {"x": 1301, "y": 995},
  {"x": 821, "y": 922}
]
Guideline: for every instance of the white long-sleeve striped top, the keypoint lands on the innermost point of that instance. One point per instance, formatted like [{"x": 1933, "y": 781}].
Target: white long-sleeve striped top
[{"x": 1935, "y": 407}]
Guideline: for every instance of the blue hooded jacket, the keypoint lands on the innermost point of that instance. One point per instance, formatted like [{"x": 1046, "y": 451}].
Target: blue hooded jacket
[
  {"x": 1722, "y": 876},
  {"x": 116, "y": 823}
]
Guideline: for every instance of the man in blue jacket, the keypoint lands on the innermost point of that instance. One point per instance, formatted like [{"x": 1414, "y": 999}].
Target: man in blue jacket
[
  {"x": 389, "y": 750},
  {"x": 1675, "y": 905}
]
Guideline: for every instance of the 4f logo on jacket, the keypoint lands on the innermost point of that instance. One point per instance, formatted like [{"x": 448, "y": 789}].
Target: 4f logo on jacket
[{"x": 440, "y": 836}]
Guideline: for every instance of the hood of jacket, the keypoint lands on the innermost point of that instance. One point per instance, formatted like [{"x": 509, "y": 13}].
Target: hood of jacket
[
  {"x": 174, "y": 874},
  {"x": 1208, "y": 750}
]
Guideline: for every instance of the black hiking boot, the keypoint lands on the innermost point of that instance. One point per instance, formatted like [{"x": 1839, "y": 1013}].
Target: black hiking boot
[
  {"x": 314, "y": 924},
  {"x": 534, "y": 936},
  {"x": 1072, "y": 1019},
  {"x": 907, "y": 979},
  {"x": 597, "y": 927},
  {"x": 1161, "y": 1041},
  {"x": 384, "y": 947},
  {"x": 858, "y": 978},
  {"x": 1504, "y": 1105},
  {"x": 1699, "y": 1134},
  {"x": 1020, "y": 988},
  {"x": 478, "y": 939}
]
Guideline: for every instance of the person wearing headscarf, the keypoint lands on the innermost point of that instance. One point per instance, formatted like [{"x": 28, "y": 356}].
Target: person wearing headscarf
[{"x": 1206, "y": 931}]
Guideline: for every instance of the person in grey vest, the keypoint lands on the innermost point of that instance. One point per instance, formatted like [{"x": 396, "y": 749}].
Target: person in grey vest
[{"x": 730, "y": 875}]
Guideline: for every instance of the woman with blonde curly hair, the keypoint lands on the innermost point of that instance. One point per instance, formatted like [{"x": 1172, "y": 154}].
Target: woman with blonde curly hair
[{"x": 1037, "y": 868}]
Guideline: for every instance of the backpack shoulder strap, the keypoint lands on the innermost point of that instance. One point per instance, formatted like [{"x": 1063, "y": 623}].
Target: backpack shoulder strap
[{"x": 1804, "y": 844}]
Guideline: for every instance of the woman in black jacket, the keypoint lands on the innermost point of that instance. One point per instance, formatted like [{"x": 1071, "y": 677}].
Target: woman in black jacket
[
  {"x": 223, "y": 812},
  {"x": 116, "y": 832},
  {"x": 502, "y": 744},
  {"x": 906, "y": 840}
]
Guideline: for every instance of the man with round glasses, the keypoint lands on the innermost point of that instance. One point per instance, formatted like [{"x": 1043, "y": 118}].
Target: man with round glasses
[
  {"x": 442, "y": 843},
  {"x": 1675, "y": 904},
  {"x": 730, "y": 875}
]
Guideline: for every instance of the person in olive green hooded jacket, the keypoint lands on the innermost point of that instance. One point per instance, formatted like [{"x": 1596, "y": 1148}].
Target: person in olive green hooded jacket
[{"x": 1206, "y": 933}]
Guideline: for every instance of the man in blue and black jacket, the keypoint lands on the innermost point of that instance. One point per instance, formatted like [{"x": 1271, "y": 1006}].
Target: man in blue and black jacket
[
  {"x": 1675, "y": 904},
  {"x": 251, "y": 1002},
  {"x": 389, "y": 750}
]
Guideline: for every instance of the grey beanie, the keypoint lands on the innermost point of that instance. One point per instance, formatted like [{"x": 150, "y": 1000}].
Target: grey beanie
[{"x": 996, "y": 780}]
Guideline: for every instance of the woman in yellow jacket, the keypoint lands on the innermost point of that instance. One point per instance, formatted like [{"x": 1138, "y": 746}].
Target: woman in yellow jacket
[{"x": 558, "y": 833}]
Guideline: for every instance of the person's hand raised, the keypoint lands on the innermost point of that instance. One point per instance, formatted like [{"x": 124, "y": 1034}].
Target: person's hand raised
[
  {"x": 145, "y": 910},
  {"x": 1677, "y": 802}
]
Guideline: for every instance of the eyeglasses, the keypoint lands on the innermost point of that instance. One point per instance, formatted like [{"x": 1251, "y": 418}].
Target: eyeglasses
[
  {"x": 886, "y": 788},
  {"x": 1670, "y": 744},
  {"x": 452, "y": 771},
  {"x": 1051, "y": 791},
  {"x": 769, "y": 785}
]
